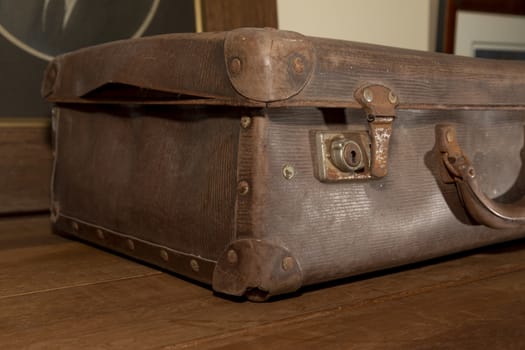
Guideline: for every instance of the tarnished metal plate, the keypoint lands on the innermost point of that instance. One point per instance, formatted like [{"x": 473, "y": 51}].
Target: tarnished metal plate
[{"x": 327, "y": 169}]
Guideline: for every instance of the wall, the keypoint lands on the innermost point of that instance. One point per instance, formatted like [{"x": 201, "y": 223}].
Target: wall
[{"x": 402, "y": 23}]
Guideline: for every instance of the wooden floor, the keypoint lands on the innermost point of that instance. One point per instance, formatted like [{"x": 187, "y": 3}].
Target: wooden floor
[{"x": 57, "y": 293}]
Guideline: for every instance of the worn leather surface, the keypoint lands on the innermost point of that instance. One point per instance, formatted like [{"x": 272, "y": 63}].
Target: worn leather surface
[
  {"x": 168, "y": 176},
  {"x": 165, "y": 176},
  {"x": 193, "y": 68},
  {"x": 192, "y": 179},
  {"x": 340, "y": 229}
]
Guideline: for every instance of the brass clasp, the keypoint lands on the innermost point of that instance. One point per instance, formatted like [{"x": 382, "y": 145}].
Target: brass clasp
[{"x": 347, "y": 155}]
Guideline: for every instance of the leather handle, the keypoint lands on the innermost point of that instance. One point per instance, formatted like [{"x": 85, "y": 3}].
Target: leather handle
[{"x": 458, "y": 169}]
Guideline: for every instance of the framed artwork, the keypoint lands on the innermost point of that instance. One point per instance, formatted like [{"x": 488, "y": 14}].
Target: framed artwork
[
  {"x": 482, "y": 28},
  {"x": 33, "y": 32}
]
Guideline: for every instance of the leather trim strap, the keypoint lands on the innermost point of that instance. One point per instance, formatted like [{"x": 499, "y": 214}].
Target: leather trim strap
[{"x": 460, "y": 170}]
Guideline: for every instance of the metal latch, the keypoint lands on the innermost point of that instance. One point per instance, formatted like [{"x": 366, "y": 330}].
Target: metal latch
[{"x": 347, "y": 155}]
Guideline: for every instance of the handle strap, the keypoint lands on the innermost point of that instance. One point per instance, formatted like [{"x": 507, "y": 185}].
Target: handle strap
[{"x": 459, "y": 169}]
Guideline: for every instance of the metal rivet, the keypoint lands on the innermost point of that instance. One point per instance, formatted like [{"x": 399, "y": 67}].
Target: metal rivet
[
  {"x": 232, "y": 257},
  {"x": 235, "y": 66},
  {"x": 368, "y": 95},
  {"x": 131, "y": 245},
  {"x": 449, "y": 136},
  {"x": 392, "y": 98},
  {"x": 298, "y": 65},
  {"x": 246, "y": 122},
  {"x": 288, "y": 171},
  {"x": 287, "y": 263},
  {"x": 100, "y": 234},
  {"x": 74, "y": 225},
  {"x": 164, "y": 255},
  {"x": 243, "y": 188},
  {"x": 194, "y": 265}
]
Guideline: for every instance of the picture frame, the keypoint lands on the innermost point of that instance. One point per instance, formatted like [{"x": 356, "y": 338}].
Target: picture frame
[
  {"x": 451, "y": 18},
  {"x": 33, "y": 33}
]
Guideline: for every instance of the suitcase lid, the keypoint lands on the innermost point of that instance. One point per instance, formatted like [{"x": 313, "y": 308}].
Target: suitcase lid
[{"x": 269, "y": 68}]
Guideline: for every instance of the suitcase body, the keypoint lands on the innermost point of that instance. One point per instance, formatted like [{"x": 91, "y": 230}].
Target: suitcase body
[{"x": 260, "y": 161}]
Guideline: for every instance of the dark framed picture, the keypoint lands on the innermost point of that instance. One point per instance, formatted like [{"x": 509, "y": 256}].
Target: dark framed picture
[
  {"x": 33, "y": 32},
  {"x": 482, "y": 28}
]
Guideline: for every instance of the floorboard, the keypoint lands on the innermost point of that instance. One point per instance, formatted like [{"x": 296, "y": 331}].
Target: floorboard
[
  {"x": 57, "y": 293},
  {"x": 32, "y": 260}
]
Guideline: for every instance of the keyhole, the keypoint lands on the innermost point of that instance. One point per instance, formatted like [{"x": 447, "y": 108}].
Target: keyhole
[{"x": 353, "y": 156}]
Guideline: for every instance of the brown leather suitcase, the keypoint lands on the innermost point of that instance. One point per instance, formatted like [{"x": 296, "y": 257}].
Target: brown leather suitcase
[{"x": 260, "y": 161}]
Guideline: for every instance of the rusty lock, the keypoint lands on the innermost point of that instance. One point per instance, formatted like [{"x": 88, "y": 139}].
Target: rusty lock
[{"x": 343, "y": 156}]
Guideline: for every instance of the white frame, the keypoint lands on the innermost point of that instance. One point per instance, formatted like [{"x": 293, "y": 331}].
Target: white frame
[{"x": 476, "y": 30}]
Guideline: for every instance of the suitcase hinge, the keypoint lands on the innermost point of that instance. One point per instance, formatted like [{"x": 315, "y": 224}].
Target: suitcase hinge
[{"x": 347, "y": 156}]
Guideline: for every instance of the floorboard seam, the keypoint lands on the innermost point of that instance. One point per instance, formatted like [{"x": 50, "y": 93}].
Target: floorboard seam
[
  {"x": 331, "y": 311},
  {"x": 155, "y": 273}
]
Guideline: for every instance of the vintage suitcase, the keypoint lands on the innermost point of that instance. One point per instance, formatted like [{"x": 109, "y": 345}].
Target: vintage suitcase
[{"x": 260, "y": 161}]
